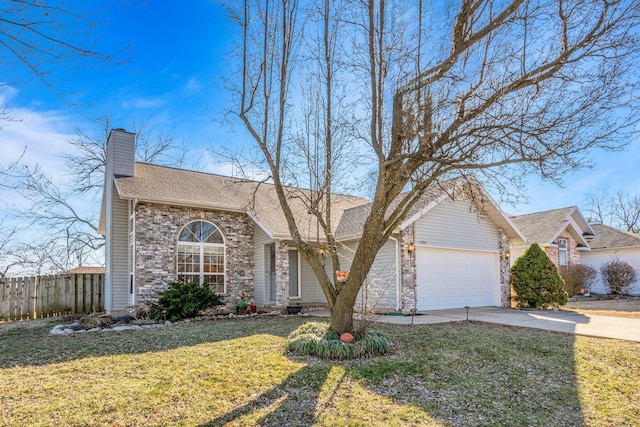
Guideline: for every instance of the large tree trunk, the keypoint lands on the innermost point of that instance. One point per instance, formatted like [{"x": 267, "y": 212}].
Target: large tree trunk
[
  {"x": 343, "y": 307},
  {"x": 342, "y": 317}
]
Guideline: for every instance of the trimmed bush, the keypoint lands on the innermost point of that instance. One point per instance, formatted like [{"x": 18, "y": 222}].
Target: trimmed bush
[
  {"x": 577, "y": 278},
  {"x": 536, "y": 281},
  {"x": 316, "y": 339},
  {"x": 183, "y": 300},
  {"x": 618, "y": 276}
]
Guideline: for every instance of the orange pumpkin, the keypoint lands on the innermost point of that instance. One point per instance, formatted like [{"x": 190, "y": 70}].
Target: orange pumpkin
[{"x": 346, "y": 337}]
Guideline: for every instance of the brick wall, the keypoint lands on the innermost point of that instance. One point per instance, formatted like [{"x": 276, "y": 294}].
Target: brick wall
[
  {"x": 505, "y": 269},
  {"x": 282, "y": 274},
  {"x": 157, "y": 228},
  {"x": 408, "y": 269},
  {"x": 573, "y": 255}
]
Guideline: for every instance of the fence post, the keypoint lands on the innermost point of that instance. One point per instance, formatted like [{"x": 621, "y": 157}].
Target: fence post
[
  {"x": 2, "y": 298},
  {"x": 45, "y": 296}
]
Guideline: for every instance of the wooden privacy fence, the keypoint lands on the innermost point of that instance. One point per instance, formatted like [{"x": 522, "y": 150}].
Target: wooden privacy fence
[{"x": 24, "y": 298}]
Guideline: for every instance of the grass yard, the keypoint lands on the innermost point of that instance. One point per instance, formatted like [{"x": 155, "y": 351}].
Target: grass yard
[
  {"x": 234, "y": 372},
  {"x": 627, "y": 306}
]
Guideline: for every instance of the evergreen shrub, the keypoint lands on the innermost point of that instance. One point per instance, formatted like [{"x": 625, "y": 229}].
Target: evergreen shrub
[
  {"x": 184, "y": 300},
  {"x": 536, "y": 280}
]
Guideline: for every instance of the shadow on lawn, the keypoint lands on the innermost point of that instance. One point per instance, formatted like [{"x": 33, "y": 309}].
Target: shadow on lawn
[
  {"x": 477, "y": 374},
  {"x": 469, "y": 374},
  {"x": 462, "y": 374},
  {"x": 293, "y": 403},
  {"x": 24, "y": 345}
]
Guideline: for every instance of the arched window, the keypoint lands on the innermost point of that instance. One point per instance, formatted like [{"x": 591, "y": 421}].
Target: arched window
[{"x": 201, "y": 254}]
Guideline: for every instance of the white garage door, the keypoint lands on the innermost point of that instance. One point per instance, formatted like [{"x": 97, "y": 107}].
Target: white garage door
[{"x": 449, "y": 278}]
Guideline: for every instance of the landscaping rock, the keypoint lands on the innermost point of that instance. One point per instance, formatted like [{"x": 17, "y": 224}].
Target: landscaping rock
[
  {"x": 100, "y": 324},
  {"x": 61, "y": 330}
]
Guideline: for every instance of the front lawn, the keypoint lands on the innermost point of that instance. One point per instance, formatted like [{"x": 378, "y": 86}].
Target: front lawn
[
  {"x": 621, "y": 306},
  {"x": 234, "y": 372}
]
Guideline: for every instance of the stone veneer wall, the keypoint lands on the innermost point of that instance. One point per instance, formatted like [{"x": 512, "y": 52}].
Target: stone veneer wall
[
  {"x": 282, "y": 274},
  {"x": 505, "y": 268},
  {"x": 157, "y": 228},
  {"x": 573, "y": 255},
  {"x": 408, "y": 269}
]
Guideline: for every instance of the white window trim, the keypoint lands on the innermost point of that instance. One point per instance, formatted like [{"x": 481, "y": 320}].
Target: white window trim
[
  {"x": 562, "y": 250},
  {"x": 132, "y": 253},
  {"x": 202, "y": 245}
]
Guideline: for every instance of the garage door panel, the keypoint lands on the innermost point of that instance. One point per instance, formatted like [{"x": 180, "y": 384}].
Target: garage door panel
[{"x": 448, "y": 278}]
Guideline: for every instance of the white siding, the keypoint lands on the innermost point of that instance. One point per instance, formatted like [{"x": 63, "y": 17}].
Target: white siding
[
  {"x": 517, "y": 252},
  {"x": 310, "y": 289},
  {"x": 381, "y": 285},
  {"x": 120, "y": 162},
  {"x": 119, "y": 254},
  {"x": 122, "y": 150},
  {"x": 596, "y": 258},
  {"x": 453, "y": 224},
  {"x": 260, "y": 239}
]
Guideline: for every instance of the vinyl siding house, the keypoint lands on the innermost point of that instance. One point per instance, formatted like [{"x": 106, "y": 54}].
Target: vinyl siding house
[
  {"x": 165, "y": 224},
  {"x": 563, "y": 234},
  {"x": 612, "y": 243},
  {"x": 569, "y": 239}
]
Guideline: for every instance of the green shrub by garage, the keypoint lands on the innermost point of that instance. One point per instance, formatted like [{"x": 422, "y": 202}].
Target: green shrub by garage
[{"x": 536, "y": 280}]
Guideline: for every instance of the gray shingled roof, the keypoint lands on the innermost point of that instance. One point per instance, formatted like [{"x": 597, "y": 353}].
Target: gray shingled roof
[
  {"x": 543, "y": 227},
  {"x": 161, "y": 184},
  {"x": 610, "y": 237}
]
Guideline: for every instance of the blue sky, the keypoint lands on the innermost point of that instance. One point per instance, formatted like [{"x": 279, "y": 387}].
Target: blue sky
[{"x": 173, "y": 79}]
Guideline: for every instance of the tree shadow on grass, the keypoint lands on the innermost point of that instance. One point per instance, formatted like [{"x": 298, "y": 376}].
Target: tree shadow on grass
[
  {"x": 27, "y": 346},
  {"x": 477, "y": 374},
  {"x": 460, "y": 374},
  {"x": 294, "y": 402}
]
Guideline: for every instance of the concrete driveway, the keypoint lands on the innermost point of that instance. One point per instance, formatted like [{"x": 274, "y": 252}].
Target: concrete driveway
[{"x": 559, "y": 321}]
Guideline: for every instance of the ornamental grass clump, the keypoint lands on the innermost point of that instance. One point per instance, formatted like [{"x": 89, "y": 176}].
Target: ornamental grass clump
[
  {"x": 317, "y": 339},
  {"x": 536, "y": 280}
]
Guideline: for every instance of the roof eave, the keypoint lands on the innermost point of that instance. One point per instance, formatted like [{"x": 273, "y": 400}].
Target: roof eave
[
  {"x": 614, "y": 248},
  {"x": 159, "y": 201}
]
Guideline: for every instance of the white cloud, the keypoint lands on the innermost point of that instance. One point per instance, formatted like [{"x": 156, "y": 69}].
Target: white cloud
[
  {"x": 6, "y": 93},
  {"x": 45, "y": 136},
  {"x": 144, "y": 103},
  {"x": 193, "y": 85}
]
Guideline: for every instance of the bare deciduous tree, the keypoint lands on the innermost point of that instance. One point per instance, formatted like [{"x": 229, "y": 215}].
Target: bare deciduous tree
[
  {"x": 487, "y": 90},
  {"x": 39, "y": 38},
  {"x": 65, "y": 213},
  {"x": 619, "y": 209}
]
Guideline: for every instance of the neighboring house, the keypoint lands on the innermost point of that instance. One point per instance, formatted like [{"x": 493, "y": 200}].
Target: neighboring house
[
  {"x": 569, "y": 239},
  {"x": 164, "y": 224},
  {"x": 612, "y": 243},
  {"x": 562, "y": 233},
  {"x": 85, "y": 270}
]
